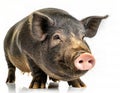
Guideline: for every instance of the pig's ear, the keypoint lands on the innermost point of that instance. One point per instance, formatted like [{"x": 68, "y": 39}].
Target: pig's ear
[
  {"x": 91, "y": 25},
  {"x": 39, "y": 25}
]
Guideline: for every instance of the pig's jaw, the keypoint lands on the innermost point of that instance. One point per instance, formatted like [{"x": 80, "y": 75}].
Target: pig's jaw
[{"x": 61, "y": 75}]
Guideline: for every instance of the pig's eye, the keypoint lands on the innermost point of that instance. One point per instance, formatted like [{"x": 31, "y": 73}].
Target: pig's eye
[{"x": 56, "y": 37}]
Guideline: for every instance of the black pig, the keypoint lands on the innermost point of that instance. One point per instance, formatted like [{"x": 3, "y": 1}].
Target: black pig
[{"x": 51, "y": 42}]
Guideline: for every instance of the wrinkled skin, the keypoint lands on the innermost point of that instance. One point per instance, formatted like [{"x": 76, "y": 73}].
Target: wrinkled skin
[{"x": 47, "y": 42}]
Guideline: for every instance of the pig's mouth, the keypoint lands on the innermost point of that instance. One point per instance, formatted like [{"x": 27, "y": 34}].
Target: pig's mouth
[
  {"x": 69, "y": 73},
  {"x": 67, "y": 69},
  {"x": 62, "y": 72},
  {"x": 71, "y": 76},
  {"x": 65, "y": 76},
  {"x": 75, "y": 68}
]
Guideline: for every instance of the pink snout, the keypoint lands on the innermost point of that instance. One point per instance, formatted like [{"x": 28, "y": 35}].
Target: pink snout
[{"x": 84, "y": 62}]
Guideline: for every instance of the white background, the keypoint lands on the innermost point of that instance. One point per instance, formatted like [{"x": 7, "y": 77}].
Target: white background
[{"x": 105, "y": 46}]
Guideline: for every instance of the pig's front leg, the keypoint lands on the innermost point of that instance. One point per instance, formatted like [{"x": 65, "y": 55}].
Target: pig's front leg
[
  {"x": 76, "y": 83},
  {"x": 39, "y": 77},
  {"x": 53, "y": 84}
]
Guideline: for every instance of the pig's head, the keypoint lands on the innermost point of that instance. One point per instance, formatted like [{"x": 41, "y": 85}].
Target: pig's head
[{"x": 61, "y": 50}]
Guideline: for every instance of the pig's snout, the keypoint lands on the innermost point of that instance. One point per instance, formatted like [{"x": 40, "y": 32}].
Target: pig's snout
[{"x": 84, "y": 62}]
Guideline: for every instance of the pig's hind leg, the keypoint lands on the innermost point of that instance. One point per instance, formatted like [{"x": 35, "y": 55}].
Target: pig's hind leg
[
  {"x": 76, "y": 83},
  {"x": 39, "y": 77},
  {"x": 11, "y": 71}
]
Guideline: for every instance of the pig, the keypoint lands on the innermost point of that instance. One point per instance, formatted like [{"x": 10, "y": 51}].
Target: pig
[{"x": 50, "y": 42}]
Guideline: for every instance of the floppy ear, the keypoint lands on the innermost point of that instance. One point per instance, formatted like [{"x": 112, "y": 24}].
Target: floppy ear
[
  {"x": 39, "y": 25},
  {"x": 91, "y": 25}
]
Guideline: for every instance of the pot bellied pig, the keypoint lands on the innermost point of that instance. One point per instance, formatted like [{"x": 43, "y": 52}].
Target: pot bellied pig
[{"x": 51, "y": 42}]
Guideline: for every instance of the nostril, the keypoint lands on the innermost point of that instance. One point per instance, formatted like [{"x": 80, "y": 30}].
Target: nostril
[
  {"x": 84, "y": 62},
  {"x": 81, "y": 61},
  {"x": 90, "y": 61}
]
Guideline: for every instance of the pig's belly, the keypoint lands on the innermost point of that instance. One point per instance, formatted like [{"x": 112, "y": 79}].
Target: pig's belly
[{"x": 20, "y": 62}]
